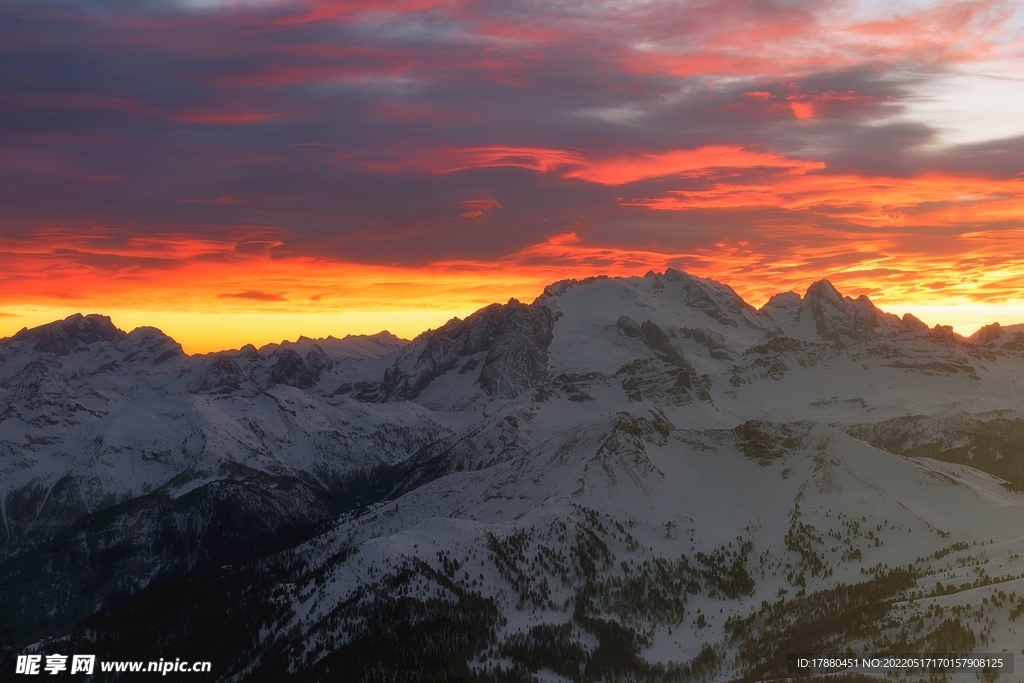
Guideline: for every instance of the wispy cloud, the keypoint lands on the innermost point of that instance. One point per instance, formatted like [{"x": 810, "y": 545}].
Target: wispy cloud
[{"x": 254, "y": 295}]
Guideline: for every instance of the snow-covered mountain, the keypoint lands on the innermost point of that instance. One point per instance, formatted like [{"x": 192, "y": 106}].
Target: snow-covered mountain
[{"x": 641, "y": 478}]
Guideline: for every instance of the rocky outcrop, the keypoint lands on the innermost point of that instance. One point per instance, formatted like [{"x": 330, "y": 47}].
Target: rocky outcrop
[
  {"x": 299, "y": 371},
  {"x": 823, "y": 314},
  {"x": 838, "y": 318},
  {"x": 515, "y": 338},
  {"x": 73, "y": 333},
  {"x": 222, "y": 376}
]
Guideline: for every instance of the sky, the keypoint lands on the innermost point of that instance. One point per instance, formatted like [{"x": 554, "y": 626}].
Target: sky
[{"x": 239, "y": 171}]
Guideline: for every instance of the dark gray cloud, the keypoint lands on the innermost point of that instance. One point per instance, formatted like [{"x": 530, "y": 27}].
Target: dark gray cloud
[{"x": 327, "y": 121}]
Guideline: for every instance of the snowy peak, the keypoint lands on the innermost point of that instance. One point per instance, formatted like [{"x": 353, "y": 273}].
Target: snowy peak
[
  {"x": 912, "y": 323},
  {"x": 148, "y": 344},
  {"x": 823, "y": 290},
  {"x": 352, "y": 346},
  {"x": 988, "y": 334},
  {"x": 823, "y": 314},
  {"x": 365, "y": 346},
  {"x": 838, "y": 318},
  {"x": 719, "y": 302},
  {"x": 74, "y": 332},
  {"x": 1009, "y": 338},
  {"x": 700, "y": 302},
  {"x": 621, "y": 326},
  {"x": 508, "y": 343},
  {"x": 783, "y": 309}
]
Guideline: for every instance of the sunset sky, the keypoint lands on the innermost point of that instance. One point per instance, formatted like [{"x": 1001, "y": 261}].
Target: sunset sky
[{"x": 249, "y": 171}]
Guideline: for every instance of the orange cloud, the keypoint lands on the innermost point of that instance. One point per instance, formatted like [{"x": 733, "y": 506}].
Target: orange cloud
[
  {"x": 933, "y": 199},
  {"x": 616, "y": 170},
  {"x": 253, "y": 294},
  {"x": 809, "y": 105},
  {"x": 477, "y": 207},
  {"x": 802, "y": 110},
  {"x": 801, "y": 103},
  {"x": 449, "y": 160},
  {"x": 625, "y": 169}
]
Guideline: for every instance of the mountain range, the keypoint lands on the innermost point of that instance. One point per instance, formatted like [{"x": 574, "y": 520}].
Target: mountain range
[{"x": 628, "y": 479}]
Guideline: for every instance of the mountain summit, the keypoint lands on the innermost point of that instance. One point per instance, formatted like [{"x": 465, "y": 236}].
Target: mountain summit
[{"x": 64, "y": 336}]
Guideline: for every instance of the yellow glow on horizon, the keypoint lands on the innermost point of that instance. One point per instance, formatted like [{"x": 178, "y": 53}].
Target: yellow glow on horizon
[
  {"x": 204, "y": 331},
  {"x": 964, "y": 318}
]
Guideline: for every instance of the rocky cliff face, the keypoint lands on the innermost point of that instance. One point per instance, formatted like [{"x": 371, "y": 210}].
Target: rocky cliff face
[{"x": 503, "y": 347}]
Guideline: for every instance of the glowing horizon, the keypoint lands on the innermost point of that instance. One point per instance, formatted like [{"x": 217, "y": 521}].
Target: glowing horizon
[
  {"x": 277, "y": 319},
  {"x": 248, "y": 172},
  {"x": 200, "y": 333}
]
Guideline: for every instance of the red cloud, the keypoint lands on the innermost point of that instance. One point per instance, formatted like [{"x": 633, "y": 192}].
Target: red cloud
[
  {"x": 617, "y": 170},
  {"x": 477, "y": 207},
  {"x": 626, "y": 169},
  {"x": 871, "y": 201},
  {"x": 252, "y": 294},
  {"x": 459, "y": 159}
]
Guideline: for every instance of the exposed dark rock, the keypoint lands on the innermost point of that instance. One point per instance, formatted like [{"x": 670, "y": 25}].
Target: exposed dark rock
[
  {"x": 713, "y": 341},
  {"x": 292, "y": 369},
  {"x": 944, "y": 334},
  {"x": 628, "y": 326},
  {"x": 515, "y": 336},
  {"x": 654, "y": 337},
  {"x": 988, "y": 334},
  {"x": 650, "y": 377},
  {"x": 911, "y": 322},
  {"x": 76, "y": 331},
  {"x": 222, "y": 376},
  {"x": 517, "y": 359},
  {"x": 838, "y": 318}
]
